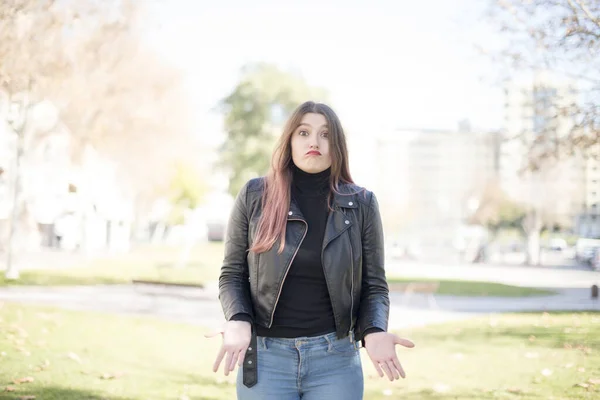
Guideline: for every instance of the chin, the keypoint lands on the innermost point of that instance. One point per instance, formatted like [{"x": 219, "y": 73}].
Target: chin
[{"x": 314, "y": 170}]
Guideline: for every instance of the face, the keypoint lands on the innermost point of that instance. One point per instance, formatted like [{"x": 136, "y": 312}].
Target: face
[{"x": 310, "y": 144}]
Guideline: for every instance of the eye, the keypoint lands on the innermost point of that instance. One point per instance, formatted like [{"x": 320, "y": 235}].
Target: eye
[
  {"x": 325, "y": 135},
  {"x": 303, "y": 133}
]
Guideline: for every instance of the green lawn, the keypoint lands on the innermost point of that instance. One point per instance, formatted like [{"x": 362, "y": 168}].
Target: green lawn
[
  {"x": 146, "y": 263},
  {"x": 82, "y": 355},
  {"x": 157, "y": 263},
  {"x": 472, "y": 288}
]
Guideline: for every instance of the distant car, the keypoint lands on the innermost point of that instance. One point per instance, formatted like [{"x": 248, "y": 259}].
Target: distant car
[
  {"x": 585, "y": 250},
  {"x": 558, "y": 244},
  {"x": 595, "y": 259}
]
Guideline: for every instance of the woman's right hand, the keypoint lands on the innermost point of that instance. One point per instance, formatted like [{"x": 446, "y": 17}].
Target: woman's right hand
[{"x": 236, "y": 339}]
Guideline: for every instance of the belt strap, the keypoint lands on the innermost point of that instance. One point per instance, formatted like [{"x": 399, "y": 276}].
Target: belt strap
[{"x": 250, "y": 368}]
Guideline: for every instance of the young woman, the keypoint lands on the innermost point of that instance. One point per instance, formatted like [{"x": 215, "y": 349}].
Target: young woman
[{"x": 303, "y": 280}]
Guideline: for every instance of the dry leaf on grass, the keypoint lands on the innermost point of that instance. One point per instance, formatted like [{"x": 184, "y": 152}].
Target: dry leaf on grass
[
  {"x": 23, "y": 350},
  {"x": 583, "y": 385},
  {"x": 441, "y": 388},
  {"x": 27, "y": 379},
  {"x": 532, "y": 338},
  {"x": 10, "y": 389},
  {"x": 29, "y": 397},
  {"x": 514, "y": 390},
  {"x": 74, "y": 357},
  {"x": 594, "y": 381},
  {"x": 116, "y": 375},
  {"x": 580, "y": 369}
]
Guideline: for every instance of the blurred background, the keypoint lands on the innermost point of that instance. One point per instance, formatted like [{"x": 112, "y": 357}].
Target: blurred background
[{"x": 128, "y": 127}]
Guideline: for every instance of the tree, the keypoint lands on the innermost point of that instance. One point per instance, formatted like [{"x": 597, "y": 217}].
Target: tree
[
  {"x": 562, "y": 36},
  {"x": 539, "y": 207},
  {"x": 254, "y": 113},
  {"x": 554, "y": 44},
  {"x": 112, "y": 94},
  {"x": 496, "y": 210}
]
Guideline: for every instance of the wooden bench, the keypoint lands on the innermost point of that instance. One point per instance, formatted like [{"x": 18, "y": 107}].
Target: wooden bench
[{"x": 410, "y": 288}]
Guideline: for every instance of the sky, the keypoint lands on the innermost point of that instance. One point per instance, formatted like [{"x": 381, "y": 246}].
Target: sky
[{"x": 385, "y": 64}]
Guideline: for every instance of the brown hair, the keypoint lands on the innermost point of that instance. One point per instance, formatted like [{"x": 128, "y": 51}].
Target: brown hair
[{"x": 276, "y": 194}]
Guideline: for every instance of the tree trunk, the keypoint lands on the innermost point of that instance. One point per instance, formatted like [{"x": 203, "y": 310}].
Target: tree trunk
[
  {"x": 532, "y": 226},
  {"x": 533, "y": 247}
]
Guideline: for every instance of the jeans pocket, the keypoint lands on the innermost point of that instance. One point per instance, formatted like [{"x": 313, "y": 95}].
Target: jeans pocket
[{"x": 345, "y": 346}]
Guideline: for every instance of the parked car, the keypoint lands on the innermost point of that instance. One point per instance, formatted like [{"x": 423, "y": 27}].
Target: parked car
[{"x": 595, "y": 259}]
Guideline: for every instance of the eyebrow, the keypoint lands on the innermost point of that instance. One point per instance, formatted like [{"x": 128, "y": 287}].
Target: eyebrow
[{"x": 310, "y": 126}]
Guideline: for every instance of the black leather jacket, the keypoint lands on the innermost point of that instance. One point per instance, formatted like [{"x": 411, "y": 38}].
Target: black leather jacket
[{"x": 352, "y": 256}]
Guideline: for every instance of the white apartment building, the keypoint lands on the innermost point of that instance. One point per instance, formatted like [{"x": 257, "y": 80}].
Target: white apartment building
[
  {"x": 566, "y": 190},
  {"x": 427, "y": 180}
]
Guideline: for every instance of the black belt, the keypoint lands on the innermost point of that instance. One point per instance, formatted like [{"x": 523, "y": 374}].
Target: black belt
[{"x": 250, "y": 368}]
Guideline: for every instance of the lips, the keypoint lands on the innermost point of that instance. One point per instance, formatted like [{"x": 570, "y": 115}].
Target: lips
[{"x": 313, "y": 153}]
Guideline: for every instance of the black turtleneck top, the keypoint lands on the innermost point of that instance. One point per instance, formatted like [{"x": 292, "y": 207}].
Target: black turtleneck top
[{"x": 304, "y": 307}]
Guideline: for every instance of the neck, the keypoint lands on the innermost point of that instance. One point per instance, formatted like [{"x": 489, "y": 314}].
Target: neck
[{"x": 306, "y": 183}]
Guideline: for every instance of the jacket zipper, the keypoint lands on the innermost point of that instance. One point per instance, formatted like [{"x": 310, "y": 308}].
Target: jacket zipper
[
  {"x": 351, "y": 288},
  {"x": 288, "y": 269},
  {"x": 328, "y": 289}
]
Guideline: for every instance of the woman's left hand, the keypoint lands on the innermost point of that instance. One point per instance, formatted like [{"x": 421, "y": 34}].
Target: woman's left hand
[{"x": 381, "y": 348}]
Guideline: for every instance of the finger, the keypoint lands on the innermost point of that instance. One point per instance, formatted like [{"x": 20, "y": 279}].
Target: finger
[
  {"x": 386, "y": 369},
  {"x": 241, "y": 357},
  {"x": 219, "y": 359},
  {"x": 398, "y": 367},
  {"x": 234, "y": 357},
  {"x": 392, "y": 367},
  {"x": 403, "y": 342},
  {"x": 213, "y": 334},
  {"x": 228, "y": 362},
  {"x": 215, "y": 331},
  {"x": 378, "y": 368}
]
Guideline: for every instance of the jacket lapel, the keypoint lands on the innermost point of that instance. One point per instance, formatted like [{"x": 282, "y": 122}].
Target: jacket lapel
[{"x": 338, "y": 221}]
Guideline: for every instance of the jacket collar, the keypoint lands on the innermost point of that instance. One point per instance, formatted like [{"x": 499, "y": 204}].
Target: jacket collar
[{"x": 346, "y": 198}]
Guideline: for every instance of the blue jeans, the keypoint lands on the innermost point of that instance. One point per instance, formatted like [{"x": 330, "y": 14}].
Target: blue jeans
[{"x": 307, "y": 368}]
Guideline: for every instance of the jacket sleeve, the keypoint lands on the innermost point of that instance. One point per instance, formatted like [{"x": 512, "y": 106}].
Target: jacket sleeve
[
  {"x": 374, "y": 308},
  {"x": 234, "y": 285}
]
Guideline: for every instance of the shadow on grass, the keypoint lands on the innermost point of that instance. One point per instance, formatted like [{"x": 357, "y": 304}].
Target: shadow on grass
[
  {"x": 62, "y": 393},
  {"x": 59, "y": 393},
  {"x": 429, "y": 394}
]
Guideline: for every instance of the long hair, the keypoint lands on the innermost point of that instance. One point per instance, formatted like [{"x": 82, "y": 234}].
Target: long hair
[{"x": 276, "y": 195}]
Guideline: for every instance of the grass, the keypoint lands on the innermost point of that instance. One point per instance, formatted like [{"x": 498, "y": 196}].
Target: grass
[
  {"x": 157, "y": 263},
  {"x": 144, "y": 263},
  {"x": 74, "y": 355},
  {"x": 473, "y": 288}
]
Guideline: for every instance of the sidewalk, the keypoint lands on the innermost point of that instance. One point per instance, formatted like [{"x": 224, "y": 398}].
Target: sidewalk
[{"x": 201, "y": 306}]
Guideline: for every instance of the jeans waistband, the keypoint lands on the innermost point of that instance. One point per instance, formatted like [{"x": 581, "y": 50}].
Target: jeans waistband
[{"x": 305, "y": 341}]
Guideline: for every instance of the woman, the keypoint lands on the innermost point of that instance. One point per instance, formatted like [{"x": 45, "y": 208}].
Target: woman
[{"x": 303, "y": 280}]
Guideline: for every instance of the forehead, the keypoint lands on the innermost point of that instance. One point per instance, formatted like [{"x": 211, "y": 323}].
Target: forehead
[{"x": 314, "y": 120}]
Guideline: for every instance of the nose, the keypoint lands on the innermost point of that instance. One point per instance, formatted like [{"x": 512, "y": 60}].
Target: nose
[{"x": 314, "y": 143}]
